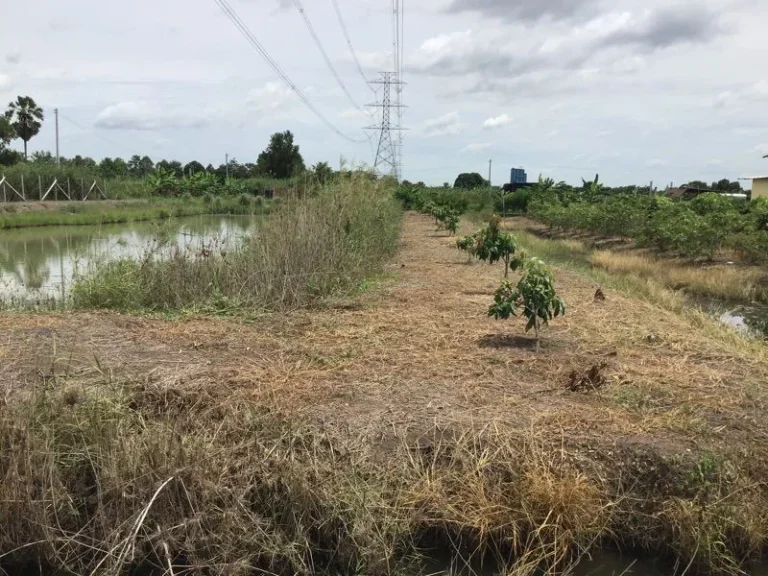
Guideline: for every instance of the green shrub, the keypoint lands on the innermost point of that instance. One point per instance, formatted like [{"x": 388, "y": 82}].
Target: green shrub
[{"x": 307, "y": 249}]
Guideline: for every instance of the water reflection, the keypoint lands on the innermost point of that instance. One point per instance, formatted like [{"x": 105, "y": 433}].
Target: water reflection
[
  {"x": 751, "y": 320},
  {"x": 37, "y": 262}
]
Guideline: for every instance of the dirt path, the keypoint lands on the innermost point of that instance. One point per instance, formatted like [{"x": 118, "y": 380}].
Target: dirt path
[{"x": 419, "y": 350}]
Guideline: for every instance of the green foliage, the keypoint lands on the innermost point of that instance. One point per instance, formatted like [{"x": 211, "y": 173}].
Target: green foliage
[
  {"x": 282, "y": 158},
  {"x": 492, "y": 245},
  {"x": 322, "y": 172},
  {"x": 445, "y": 218},
  {"x": 163, "y": 183},
  {"x": 514, "y": 202},
  {"x": 695, "y": 228},
  {"x": 193, "y": 167},
  {"x": 7, "y": 133},
  {"x": 245, "y": 200},
  {"x": 140, "y": 166},
  {"x": 26, "y": 119},
  {"x": 467, "y": 244},
  {"x": 470, "y": 181},
  {"x": 416, "y": 197},
  {"x": 534, "y": 294},
  {"x": 307, "y": 249}
]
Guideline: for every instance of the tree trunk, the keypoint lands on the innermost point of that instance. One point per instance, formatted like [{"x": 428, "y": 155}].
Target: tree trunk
[
  {"x": 536, "y": 328},
  {"x": 506, "y": 268},
  {"x": 25, "y": 150}
]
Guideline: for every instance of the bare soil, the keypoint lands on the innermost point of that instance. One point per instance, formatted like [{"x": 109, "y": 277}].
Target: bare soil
[{"x": 418, "y": 350}]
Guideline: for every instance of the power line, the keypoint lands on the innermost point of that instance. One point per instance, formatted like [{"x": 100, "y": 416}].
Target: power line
[
  {"x": 248, "y": 35},
  {"x": 91, "y": 131},
  {"x": 349, "y": 43},
  {"x": 319, "y": 44}
]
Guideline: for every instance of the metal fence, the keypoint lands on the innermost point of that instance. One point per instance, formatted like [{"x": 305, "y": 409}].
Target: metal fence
[{"x": 41, "y": 188}]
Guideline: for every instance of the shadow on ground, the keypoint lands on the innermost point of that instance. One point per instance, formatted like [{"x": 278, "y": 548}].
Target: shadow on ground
[{"x": 509, "y": 341}]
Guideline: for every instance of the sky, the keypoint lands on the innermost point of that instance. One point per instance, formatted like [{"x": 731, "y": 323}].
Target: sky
[{"x": 635, "y": 90}]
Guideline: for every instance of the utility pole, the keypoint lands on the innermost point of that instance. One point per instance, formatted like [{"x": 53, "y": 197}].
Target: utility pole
[
  {"x": 56, "y": 113},
  {"x": 226, "y": 167},
  {"x": 387, "y": 153},
  {"x": 490, "y": 172}
]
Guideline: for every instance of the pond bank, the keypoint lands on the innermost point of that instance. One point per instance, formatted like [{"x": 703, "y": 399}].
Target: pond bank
[
  {"x": 76, "y": 213},
  {"x": 736, "y": 295},
  {"x": 353, "y": 437}
]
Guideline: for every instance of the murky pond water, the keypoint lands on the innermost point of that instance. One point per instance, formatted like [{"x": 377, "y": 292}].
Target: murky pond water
[
  {"x": 751, "y": 320},
  {"x": 39, "y": 263},
  {"x": 606, "y": 562}
]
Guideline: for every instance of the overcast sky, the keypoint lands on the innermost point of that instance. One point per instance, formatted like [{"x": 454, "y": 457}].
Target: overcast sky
[{"x": 637, "y": 90}]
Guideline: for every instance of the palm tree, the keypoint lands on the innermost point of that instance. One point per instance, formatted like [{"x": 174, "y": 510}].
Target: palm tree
[{"x": 26, "y": 118}]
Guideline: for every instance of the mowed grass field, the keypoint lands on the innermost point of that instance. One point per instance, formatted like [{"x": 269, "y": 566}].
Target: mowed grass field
[{"x": 354, "y": 437}]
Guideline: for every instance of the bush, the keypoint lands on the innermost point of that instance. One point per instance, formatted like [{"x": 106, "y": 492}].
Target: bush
[
  {"x": 217, "y": 205},
  {"x": 514, "y": 202},
  {"x": 306, "y": 250}
]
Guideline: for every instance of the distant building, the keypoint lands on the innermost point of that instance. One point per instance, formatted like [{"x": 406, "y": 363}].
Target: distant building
[
  {"x": 518, "y": 176},
  {"x": 759, "y": 186}
]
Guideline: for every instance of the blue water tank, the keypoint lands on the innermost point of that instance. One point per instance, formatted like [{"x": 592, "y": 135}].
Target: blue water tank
[{"x": 518, "y": 176}]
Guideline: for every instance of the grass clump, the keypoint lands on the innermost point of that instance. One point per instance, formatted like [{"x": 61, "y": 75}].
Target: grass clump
[
  {"x": 124, "y": 477},
  {"x": 307, "y": 249},
  {"x": 720, "y": 281}
]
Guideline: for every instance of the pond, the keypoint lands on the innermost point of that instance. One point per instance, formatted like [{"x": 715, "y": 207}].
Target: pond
[
  {"x": 751, "y": 320},
  {"x": 605, "y": 562},
  {"x": 39, "y": 263}
]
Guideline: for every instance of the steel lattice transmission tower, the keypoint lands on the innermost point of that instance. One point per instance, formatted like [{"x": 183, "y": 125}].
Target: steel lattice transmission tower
[{"x": 387, "y": 156}]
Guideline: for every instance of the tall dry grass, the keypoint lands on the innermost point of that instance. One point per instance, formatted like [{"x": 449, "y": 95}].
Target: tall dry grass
[
  {"x": 306, "y": 249},
  {"x": 151, "y": 478},
  {"x": 734, "y": 283}
]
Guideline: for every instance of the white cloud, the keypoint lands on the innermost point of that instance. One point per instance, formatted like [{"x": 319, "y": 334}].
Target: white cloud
[
  {"x": 445, "y": 125},
  {"x": 761, "y": 149},
  {"x": 476, "y": 147},
  {"x": 145, "y": 116},
  {"x": 757, "y": 92},
  {"x": 13, "y": 58},
  {"x": 353, "y": 114},
  {"x": 655, "y": 163},
  {"x": 5, "y": 81},
  {"x": 271, "y": 96},
  {"x": 497, "y": 122}
]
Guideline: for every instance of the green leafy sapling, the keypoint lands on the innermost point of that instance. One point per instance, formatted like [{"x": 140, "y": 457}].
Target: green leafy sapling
[
  {"x": 493, "y": 246},
  {"x": 534, "y": 294}
]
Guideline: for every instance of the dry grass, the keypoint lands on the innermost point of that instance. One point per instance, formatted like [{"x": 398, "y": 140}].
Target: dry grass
[
  {"x": 352, "y": 437},
  {"x": 307, "y": 249},
  {"x": 733, "y": 283}
]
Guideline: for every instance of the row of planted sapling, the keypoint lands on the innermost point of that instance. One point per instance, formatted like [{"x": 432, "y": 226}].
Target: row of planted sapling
[{"x": 534, "y": 296}]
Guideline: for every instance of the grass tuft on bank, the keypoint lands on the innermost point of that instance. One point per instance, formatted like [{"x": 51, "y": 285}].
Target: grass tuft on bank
[{"x": 308, "y": 248}]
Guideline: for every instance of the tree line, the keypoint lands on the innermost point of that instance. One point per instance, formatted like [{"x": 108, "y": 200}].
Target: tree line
[
  {"x": 23, "y": 120},
  {"x": 281, "y": 160}
]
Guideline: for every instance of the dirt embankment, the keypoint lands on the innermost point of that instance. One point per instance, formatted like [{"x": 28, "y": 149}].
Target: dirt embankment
[{"x": 664, "y": 444}]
